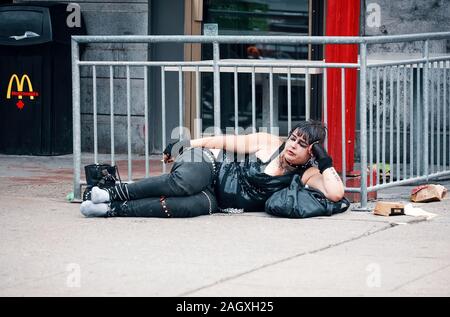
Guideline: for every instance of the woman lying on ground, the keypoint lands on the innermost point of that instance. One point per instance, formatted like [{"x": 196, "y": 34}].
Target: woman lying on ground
[{"x": 207, "y": 176}]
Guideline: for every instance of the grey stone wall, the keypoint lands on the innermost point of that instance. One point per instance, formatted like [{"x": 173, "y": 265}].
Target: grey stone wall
[{"x": 410, "y": 16}]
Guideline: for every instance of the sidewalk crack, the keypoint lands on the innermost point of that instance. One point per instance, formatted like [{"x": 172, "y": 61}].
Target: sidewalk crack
[
  {"x": 419, "y": 278},
  {"x": 261, "y": 267}
]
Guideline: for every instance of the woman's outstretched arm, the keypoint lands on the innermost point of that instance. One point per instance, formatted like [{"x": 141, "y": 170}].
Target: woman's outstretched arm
[{"x": 242, "y": 144}]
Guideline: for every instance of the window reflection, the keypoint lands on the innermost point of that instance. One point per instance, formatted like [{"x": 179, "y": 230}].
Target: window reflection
[
  {"x": 253, "y": 17},
  {"x": 272, "y": 17}
]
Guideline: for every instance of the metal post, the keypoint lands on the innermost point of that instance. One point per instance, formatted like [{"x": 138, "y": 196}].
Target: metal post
[
  {"x": 307, "y": 95},
  {"x": 271, "y": 100},
  {"x": 343, "y": 135},
  {"x": 419, "y": 119},
  {"x": 253, "y": 101},
  {"x": 129, "y": 124},
  {"x": 438, "y": 106},
  {"x": 432, "y": 117},
  {"x": 94, "y": 109},
  {"x": 236, "y": 105},
  {"x": 377, "y": 131},
  {"x": 383, "y": 135},
  {"x": 111, "y": 115},
  {"x": 397, "y": 146},
  {"x": 444, "y": 163},
  {"x": 147, "y": 158},
  {"x": 217, "y": 123},
  {"x": 363, "y": 122},
  {"x": 425, "y": 106},
  {"x": 211, "y": 29},
  {"x": 197, "y": 103},
  {"x": 371, "y": 122},
  {"x": 391, "y": 124},
  {"x": 289, "y": 99},
  {"x": 445, "y": 103},
  {"x": 405, "y": 120},
  {"x": 180, "y": 102},
  {"x": 163, "y": 111},
  {"x": 76, "y": 123},
  {"x": 411, "y": 123}
]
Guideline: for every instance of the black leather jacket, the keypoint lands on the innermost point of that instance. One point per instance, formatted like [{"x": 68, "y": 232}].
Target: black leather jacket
[{"x": 244, "y": 185}]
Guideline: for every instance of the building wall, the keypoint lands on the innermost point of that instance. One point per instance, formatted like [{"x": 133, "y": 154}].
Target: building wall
[
  {"x": 113, "y": 17},
  {"x": 406, "y": 17}
]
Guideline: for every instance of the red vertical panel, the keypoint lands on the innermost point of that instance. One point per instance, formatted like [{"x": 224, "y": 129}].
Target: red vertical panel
[{"x": 342, "y": 19}]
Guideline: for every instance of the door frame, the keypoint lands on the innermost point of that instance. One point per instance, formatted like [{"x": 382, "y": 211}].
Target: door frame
[{"x": 193, "y": 19}]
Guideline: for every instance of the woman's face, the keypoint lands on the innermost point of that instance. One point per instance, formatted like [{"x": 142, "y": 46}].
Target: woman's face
[{"x": 297, "y": 151}]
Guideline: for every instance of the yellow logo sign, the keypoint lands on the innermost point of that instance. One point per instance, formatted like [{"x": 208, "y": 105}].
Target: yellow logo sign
[{"x": 19, "y": 93}]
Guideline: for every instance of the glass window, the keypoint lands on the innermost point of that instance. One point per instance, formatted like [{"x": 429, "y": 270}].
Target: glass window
[
  {"x": 269, "y": 17},
  {"x": 256, "y": 17}
]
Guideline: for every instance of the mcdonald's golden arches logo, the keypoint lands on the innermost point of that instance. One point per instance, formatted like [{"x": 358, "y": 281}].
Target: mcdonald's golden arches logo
[{"x": 20, "y": 93}]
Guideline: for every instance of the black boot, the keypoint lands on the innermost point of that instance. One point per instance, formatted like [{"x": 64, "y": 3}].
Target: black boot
[{"x": 118, "y": 192}]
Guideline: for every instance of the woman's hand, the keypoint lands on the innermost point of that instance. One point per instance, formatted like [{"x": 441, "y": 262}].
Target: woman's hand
[
  {"x": 167, "y": 159},
  {"x": 326, "y": 179},
  {"x": 321, "y": 156},
  {"x": 174, "y": 149}
]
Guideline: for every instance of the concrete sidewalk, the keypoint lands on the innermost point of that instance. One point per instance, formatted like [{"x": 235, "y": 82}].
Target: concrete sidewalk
[{"x": 48, "y": 248}]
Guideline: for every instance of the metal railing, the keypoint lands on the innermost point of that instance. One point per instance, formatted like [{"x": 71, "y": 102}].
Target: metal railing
[{"x": 417, "y": 91}]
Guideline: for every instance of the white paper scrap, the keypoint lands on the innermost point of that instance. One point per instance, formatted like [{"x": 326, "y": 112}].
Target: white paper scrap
[{"x": 418, "y": 212}]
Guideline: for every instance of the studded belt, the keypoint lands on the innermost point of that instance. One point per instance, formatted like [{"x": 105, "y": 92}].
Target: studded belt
[{"x": 209, "y": 155}]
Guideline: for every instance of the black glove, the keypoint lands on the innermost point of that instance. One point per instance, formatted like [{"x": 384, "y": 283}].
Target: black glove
[
  {"x": 176, "y": 148},
  {"x": 322, "y": 157}
]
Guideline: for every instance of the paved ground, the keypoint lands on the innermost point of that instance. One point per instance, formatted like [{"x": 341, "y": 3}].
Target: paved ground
[{"x": 47, "y": 248}]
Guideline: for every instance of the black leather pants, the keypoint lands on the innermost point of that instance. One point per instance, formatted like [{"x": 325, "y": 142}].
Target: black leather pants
[{"x": 187, "y": 191}]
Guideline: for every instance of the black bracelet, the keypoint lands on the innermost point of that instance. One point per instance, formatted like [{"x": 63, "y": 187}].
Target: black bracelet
[{"x": 325, "y": 163}]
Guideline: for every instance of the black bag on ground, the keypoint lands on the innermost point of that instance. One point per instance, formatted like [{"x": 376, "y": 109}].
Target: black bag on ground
[
  {"x": 101, "y": 175},
  {"x": 298, "y": 201}
]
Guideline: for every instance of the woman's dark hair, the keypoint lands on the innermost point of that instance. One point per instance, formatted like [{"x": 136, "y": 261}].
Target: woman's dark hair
[{"x": 311, "y": 130}]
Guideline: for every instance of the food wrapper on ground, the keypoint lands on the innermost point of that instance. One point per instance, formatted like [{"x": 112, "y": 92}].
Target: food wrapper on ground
[
  {"x": 427, "y": 193},
  {"x": 387, "y": 209},
  {"x": 418, "y": 212}
]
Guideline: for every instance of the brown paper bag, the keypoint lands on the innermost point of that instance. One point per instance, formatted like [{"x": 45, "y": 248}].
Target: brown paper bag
[
  {"x": 427, "y": 193},
  {"x": 385, "y": 208}
]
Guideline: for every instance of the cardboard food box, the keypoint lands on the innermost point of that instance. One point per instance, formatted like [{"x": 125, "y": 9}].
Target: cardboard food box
[
  {"x": 427, "y": 193},
  {"x": 384, "y": 208}
]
